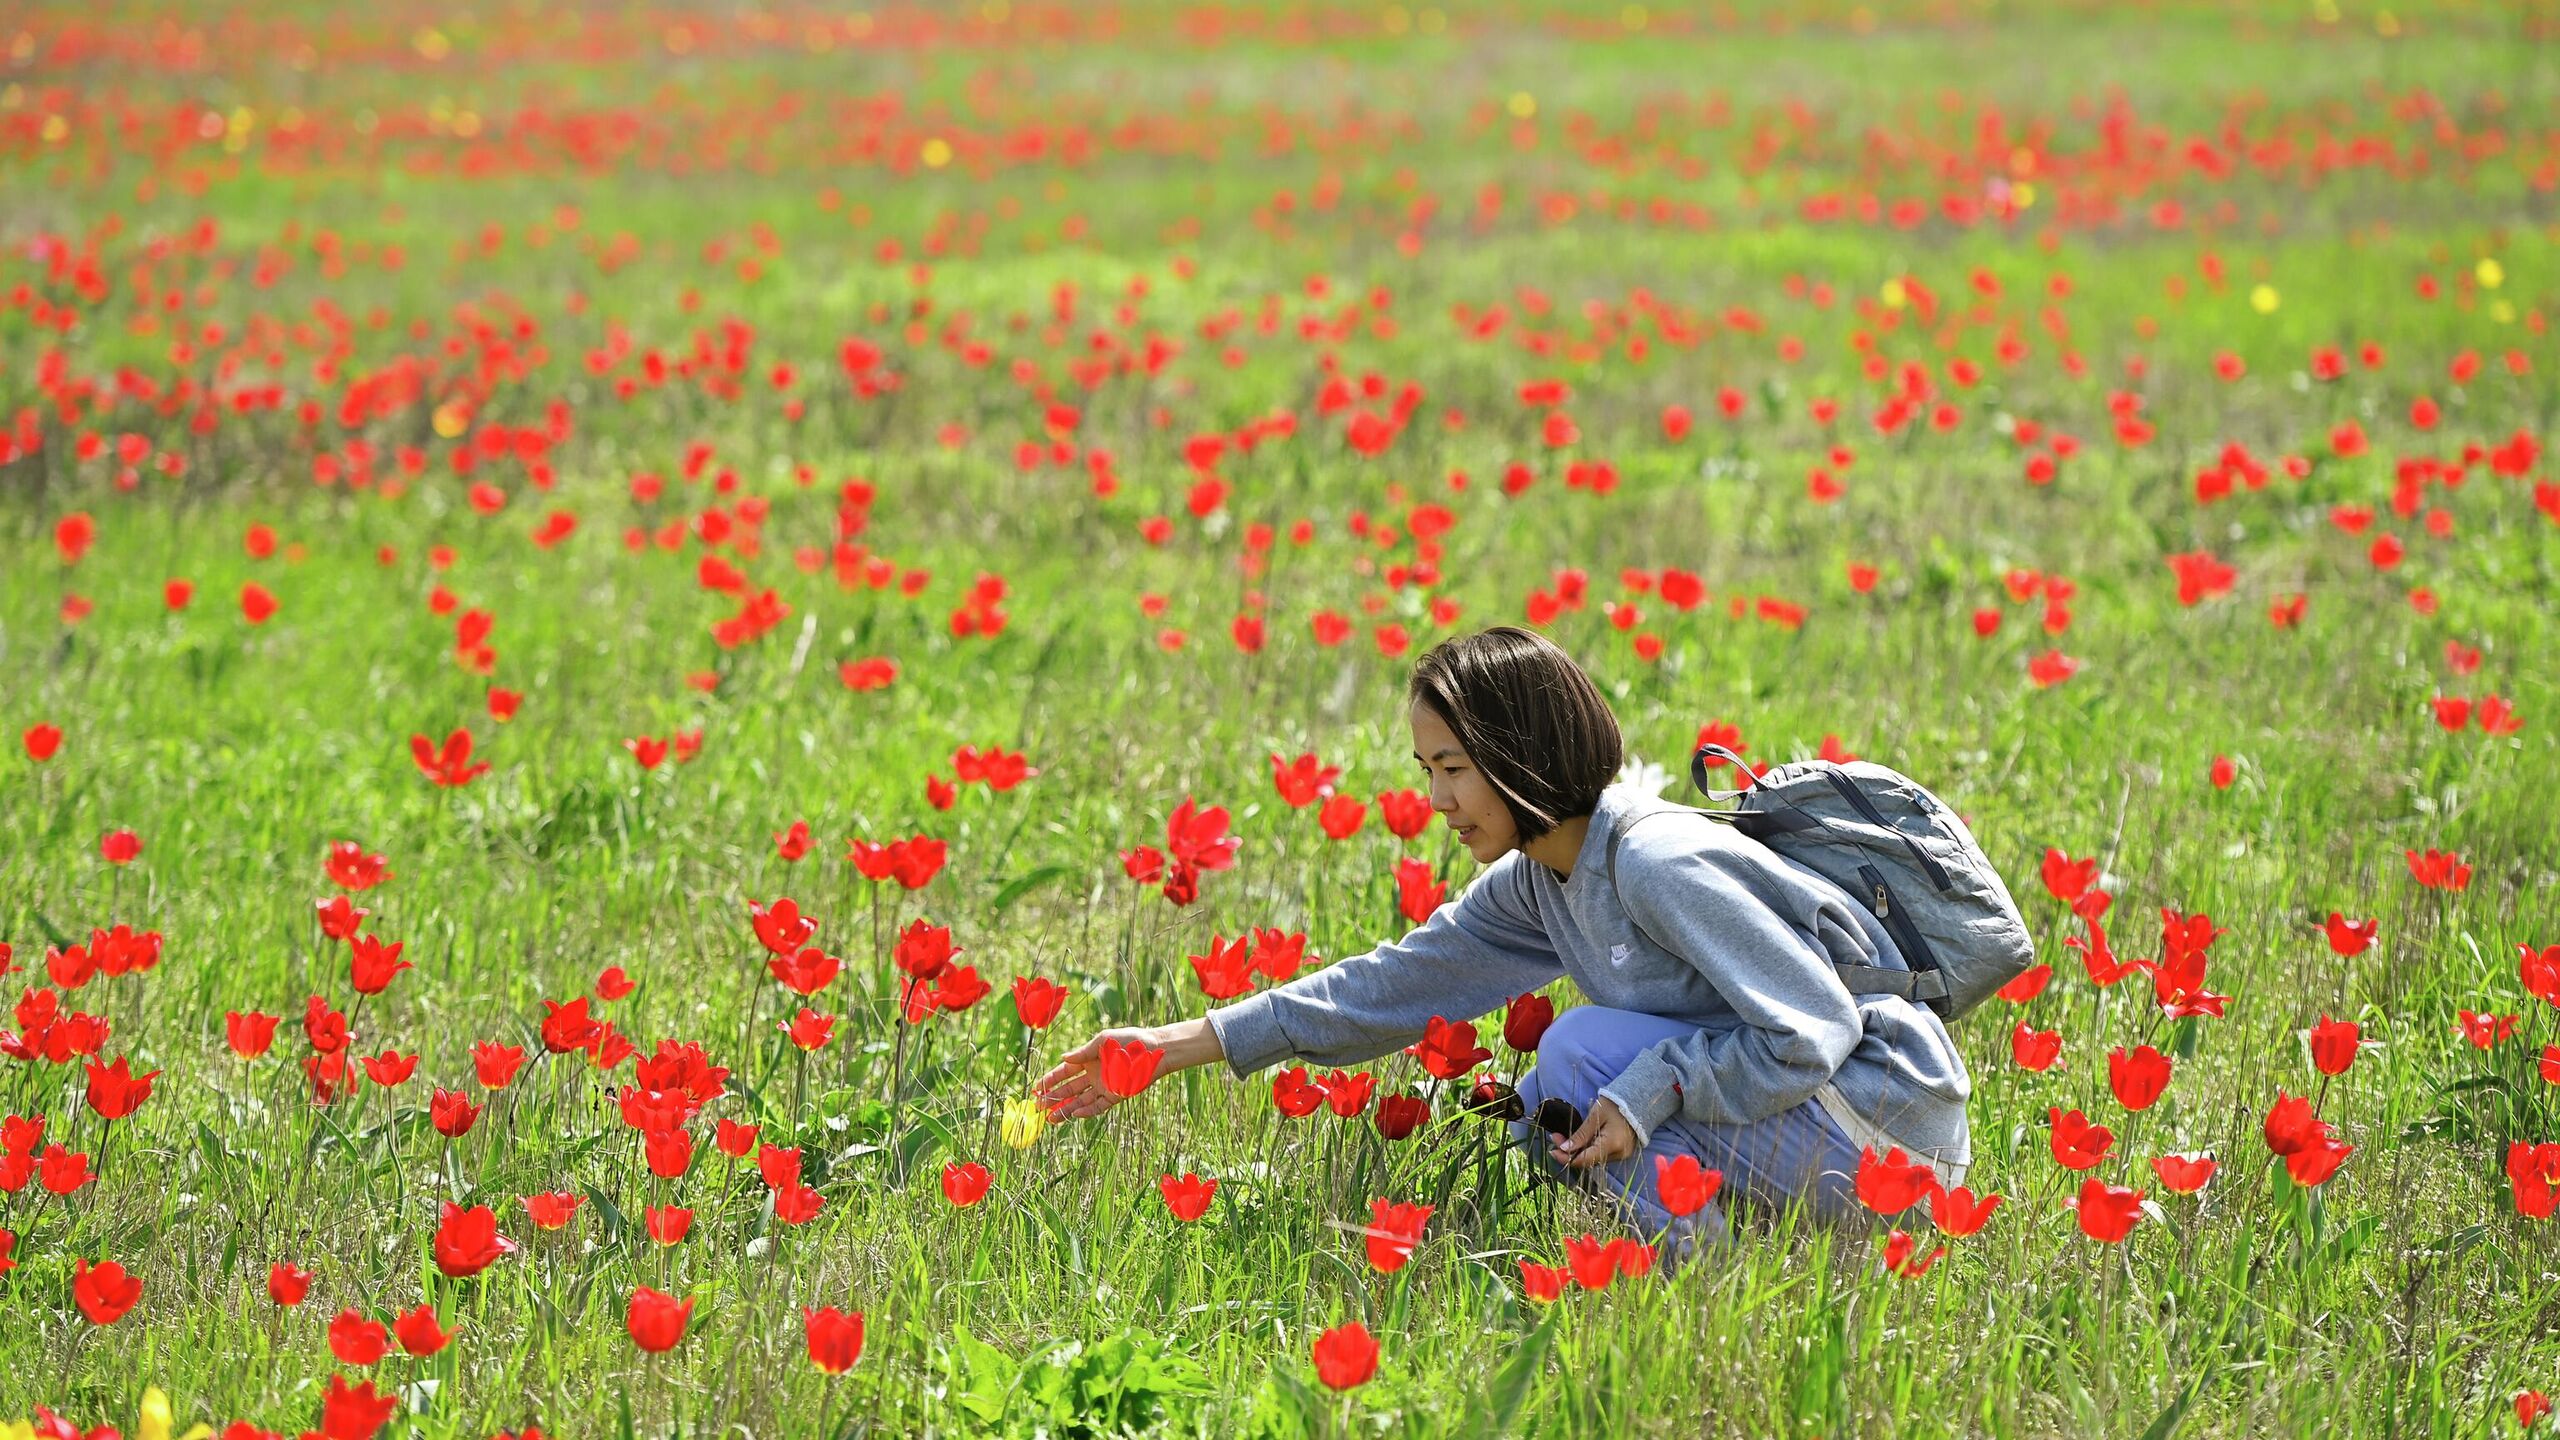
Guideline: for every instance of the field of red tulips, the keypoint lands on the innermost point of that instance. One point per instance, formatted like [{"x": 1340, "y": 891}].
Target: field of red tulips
[{"x": 617, "y": 624}]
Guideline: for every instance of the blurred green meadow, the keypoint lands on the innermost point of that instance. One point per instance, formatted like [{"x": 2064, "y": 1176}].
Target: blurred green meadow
[{"x": 705, "y": 352}]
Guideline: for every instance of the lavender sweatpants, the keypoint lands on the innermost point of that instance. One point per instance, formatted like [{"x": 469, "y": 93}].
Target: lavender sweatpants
[{"x": 1795, "y": 1154}]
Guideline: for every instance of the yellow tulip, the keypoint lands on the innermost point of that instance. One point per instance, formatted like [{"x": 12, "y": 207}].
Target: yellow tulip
[
  {"x": 1023, "y": 1122},
  {"x": 155, "y": 1421}
]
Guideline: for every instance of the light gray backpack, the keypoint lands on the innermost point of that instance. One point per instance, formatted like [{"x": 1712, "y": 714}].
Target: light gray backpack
[{"x": 1894, "y": 847}]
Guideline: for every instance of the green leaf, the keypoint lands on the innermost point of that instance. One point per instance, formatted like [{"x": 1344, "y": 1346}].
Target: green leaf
[
  {"x": 1022, "y": 885},
  {"x": 614, "y": 1220},
  {"x": 985, "y": 1381},
  {"x": 2168, "y": 1420},
  {"x": 1497, "y": 1409}
]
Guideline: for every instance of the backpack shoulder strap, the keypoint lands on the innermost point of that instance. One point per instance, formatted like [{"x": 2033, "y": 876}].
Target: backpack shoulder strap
[{"x": 1857, "y": 979}]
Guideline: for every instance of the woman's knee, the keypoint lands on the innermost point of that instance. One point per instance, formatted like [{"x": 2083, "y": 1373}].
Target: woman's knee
[{"x": 1581, "y": 1035}]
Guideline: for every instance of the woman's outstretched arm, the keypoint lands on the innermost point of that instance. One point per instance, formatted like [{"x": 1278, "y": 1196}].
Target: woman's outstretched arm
[{"x": 1468, "y": 958}]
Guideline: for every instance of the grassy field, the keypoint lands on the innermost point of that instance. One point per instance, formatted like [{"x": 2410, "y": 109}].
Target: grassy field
[{"x": 2006, "y": 374}]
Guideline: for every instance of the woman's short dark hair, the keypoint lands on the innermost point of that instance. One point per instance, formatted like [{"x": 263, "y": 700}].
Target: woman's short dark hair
[{"x": 1530, "y": 719}]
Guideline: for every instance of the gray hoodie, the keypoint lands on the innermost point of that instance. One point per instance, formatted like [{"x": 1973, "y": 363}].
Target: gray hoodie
[{"x": 1753, "y": 937}]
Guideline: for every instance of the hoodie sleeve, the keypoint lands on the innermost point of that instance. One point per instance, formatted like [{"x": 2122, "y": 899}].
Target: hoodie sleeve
[
  {"x": 1759, "y": 937},
  {"x": 1470, "y": 956}
]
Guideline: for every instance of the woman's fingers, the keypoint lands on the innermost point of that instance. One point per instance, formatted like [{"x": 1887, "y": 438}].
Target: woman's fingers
[
  {"x": 1078, "y": 1061},
  {"x": 1569, "y": 1149},
  {"x": 1604, "y": 1136}
]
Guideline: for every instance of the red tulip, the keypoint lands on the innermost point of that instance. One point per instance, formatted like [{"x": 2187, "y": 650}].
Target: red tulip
[
  {"x": 2350, "y": 937},
  {"x": 2034, "y": 1050},
  {"x": 805, "y": 973},
  {"x": 1893, "y": 1183},
  {"x": 2314, "y": 1164},
  {"x": 390, "y": 1068},
  {"x": 1682, "y": 1185},
  {"x": 2333, "y": 1045},
  {"x": 810, "y": 1029},
  {"x": 2137, "y": 1078},
  {"x": 2078, "y": 1143},
  {"x": 351, "y": 868},
  {"x": 1188, "y": 1198},
  {"x": 419, "y": 1332},
  {"x": 614, "y": 983},
  {"x": 451, "y": 765},
  {"x": 797, "y": 1204},
  {"x": 1394, "y": 1229},
  {"x": 669, "y": 1153},
  {"x": 496, "y": 1064},
  {"x": 1036, "y": 1001},
  {"x": 959, "y": 987},
  {"x": 2291, "y": 1125},
  {"x": 120, "y": 847},
  {"x": 372, "y": 965},
  {"x": 1341, "y": 816},
  {"x": 452, "y": 1113},
  {"x": 339, "y": 917},
  {"x": 792, "y": 844},
  {"x": 2184, "y": 1174},
  {"x": 1227, "y": 970},
  {"x": 2031, "y": 982},
  {"x": 115, "y": 1091},
  {"x": 1525, "y": 1021},
  {"x": 1303, "y": 781},
  {"x": 2107, "y": 1212},
  {"x": 287, "y": 1283},
  {"x": 42, "y": 741},
  {"x": 965, "y": 1185},
  {"x": 1594, "y": 1262},
  {"x": 1448, "y": 1050},
  {"x": 2064, "y": 877},
  {"x": 1398, "y": 1116},
  {"x": 356, "y": 1340},
  {"x": 734, "y": 1139},
  {"x": 782, "y": 929},
  {"x": 2531, "y": 1405},
  {"x": 1958, "y": 1213},
  {"x": 1348, "y": 1095},
  {"x": 1128, "y": 1066},
  {"x": 1346, "y": 1356},
  {"x": 62, "y": 1171},
  {"x": 553, "y": 1209},
  {"x": 467, "y": 1241},
  {"x": 835, "y": 1338},
  {"x": 1405, "y": 812},
  {"x": 1417, "y": 894},
  {"x": 356, "y": 1412},
  {"x": 103, "y": 1291},
  {"x": 779, "y": 1168},
  {"x": 567, "y": 1027},
  {"x": 656, "y": 1321},
  {"x": 1294, "y": 1095},
  {"x": 1898, "y": 1257},
  {"x": 1542, "y": 1282},
  {"x": 924, "y": 951},
  {"x": 1278, "y": 953}
]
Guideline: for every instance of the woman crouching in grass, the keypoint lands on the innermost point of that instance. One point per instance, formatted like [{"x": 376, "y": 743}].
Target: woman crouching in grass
[{"x": 1714, "y": 1024}]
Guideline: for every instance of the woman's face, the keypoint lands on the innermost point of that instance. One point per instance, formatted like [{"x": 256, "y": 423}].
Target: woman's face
[{"x": 1459, "y": 791}]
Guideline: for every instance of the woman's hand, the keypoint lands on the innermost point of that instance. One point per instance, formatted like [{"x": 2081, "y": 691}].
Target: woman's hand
[
  {"x": 1073, "y": 1088},
  {"x": 1605, "y": 1136}
]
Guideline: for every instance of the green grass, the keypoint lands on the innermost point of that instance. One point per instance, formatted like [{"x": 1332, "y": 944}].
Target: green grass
[{"x": 2404, "y": 1296}]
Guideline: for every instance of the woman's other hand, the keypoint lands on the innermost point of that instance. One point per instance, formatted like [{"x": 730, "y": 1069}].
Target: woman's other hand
[
  {"x": 1605, "y": 1136},
  {"x": 1073, "y": 1089}
]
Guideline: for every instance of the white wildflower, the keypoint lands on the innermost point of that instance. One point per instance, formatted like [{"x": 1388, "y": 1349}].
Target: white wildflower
[{"x": 1644, "y": 775}]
